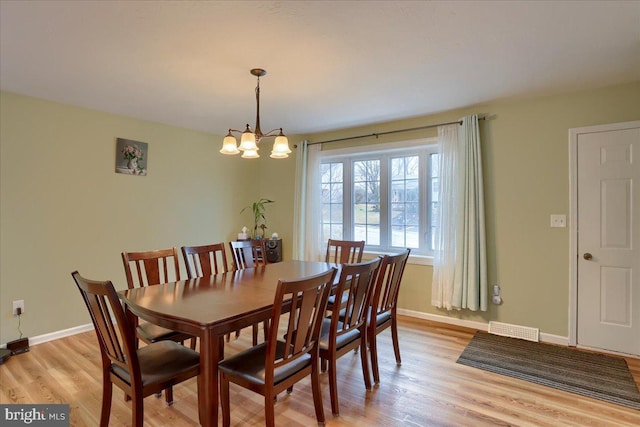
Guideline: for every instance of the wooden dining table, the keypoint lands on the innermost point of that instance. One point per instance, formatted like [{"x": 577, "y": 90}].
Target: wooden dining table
[{"x": 210, "y": 307}]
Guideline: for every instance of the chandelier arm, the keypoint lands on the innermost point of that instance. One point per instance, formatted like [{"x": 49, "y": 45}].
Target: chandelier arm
[
  {"x": 271, "y": 132},
  {"x": 236, "y": 130}
]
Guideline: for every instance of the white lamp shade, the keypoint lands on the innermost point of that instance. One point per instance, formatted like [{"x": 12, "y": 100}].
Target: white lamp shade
[
  {"x": 248, "y": 141},
  {"x": 229, "y": 145},
  {"x": 280, "y": 147},
  {"x": 278, "y": 156},
  {"x": 250, "y": 154}
]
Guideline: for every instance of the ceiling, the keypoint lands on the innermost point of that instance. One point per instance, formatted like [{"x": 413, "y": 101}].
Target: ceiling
[{"x": 330, "y": 64}]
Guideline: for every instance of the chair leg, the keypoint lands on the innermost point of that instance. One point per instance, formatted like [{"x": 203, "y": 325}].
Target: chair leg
[
  {"x": 323, "y": 365},
  {"x": 317, "y": 394},
  {"x": 107, "y": 392},
  {"x": 333, "y": 387},
  {"x": 269, "y": 409},
  {"x": 396, "y": 343},
  {"x": 365, "y": 364},
  {"x": 254, "y": 334},
  {"x": 138, "y": 410},
  {"x": 224, "y": 400},
  {"x": 193, "y": 343},
  {"x": 168, "y": 395},
  {"x": 374, "y": 357}
]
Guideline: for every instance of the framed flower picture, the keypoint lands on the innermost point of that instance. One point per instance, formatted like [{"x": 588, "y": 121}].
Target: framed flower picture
[{"x": 131, "y": 157}]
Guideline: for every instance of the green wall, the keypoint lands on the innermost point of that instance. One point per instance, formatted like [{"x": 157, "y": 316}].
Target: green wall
[{"x": 62, "y": 206}]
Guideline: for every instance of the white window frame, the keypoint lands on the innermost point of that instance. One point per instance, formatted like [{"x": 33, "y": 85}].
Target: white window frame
[{"x": 386, "y": 151}]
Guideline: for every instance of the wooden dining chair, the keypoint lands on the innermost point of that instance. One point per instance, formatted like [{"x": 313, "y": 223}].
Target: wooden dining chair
[
  {"x": 346, "y": 329},
  {"x": 205, "y": 260},
  {"x": 344, "y": 251},
  {"x": 138, "y": 372},
  {"x": 154, "y": 268},
  {"x": 341, "y": 252},
  {"x": 275, "y": 365},
  {"x": 384, "y": 305},
  {"x": 248, "y": 254}
]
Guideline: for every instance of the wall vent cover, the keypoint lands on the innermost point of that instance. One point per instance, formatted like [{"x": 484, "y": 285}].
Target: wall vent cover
[{"x": 514, "y": 331}]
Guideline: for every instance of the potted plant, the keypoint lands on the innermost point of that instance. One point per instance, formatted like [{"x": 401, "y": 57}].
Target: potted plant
[{"x": 259, "y": 221}]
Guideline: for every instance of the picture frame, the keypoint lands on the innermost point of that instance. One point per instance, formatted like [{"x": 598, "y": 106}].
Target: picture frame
[{"x": 131, "y": 157}]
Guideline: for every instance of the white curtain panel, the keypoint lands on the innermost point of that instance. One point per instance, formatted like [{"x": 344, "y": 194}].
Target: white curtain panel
[
  {"x": 460, "y": 261},
  {"x": 307, "y": 204},
  {"x": 444, "y": 257}
]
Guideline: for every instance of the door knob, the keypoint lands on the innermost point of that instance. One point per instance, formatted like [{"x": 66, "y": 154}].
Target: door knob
[{"x": 587, "y": 256}]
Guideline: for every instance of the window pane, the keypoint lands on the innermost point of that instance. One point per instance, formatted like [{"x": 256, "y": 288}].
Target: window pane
[
  {"x": 373, "y": 235},
  {"x": 412, "y": 193},
  {"x": 359, "y": 232},
  {"x": 336, "y": 232},
  {"x": 336, "y": 193},
  {"x": 336, "y": 213},
  {"x": 397, "y": 169},
  {"x": 366, "y": 201},
  {"x": 360, "y": 213},
  {"x": 397, "y": 236},
  {"x": 413, "y": 237},
  {"x": 336, "y": 172},
  {"x": 326, "y": 213},
  {"x": 405, "y": 198},
  {"x": 326, "y": 193},
  {"x": 397, "y": 214},
  {"x": 325, "y": 172},
  {"x": 412, "y": 166},
  {"x": 397, "y": 191}
]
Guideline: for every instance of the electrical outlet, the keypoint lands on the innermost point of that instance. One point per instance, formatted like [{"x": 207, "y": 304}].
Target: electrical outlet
[
  {"x": 18, "y": 304},
  {"x": 558, "y": 221}
]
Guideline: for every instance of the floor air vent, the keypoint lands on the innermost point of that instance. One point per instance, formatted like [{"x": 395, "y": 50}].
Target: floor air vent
[{"x": 514, "y": 331}]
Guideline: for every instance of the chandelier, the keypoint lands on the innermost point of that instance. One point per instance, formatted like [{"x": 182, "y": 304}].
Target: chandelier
[{"x": 249, "y": 139}]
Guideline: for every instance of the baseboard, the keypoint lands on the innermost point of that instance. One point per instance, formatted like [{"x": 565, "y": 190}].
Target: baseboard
[
  {"x": 57, "y": 335},
  {"x": 481, "y": 326}
]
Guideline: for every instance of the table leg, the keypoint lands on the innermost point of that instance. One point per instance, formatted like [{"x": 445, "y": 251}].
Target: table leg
[{"x": 208, "y": 379}]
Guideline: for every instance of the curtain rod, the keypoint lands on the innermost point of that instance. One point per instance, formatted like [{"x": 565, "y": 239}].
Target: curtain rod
[{"x": 390, "y": 132}]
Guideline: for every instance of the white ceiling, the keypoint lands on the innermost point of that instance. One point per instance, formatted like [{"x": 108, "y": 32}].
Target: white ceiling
[{"x": 330, "y": 64}]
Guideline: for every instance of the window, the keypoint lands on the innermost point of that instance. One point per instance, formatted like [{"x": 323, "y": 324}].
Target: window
[{"x": 385, "y": 197}]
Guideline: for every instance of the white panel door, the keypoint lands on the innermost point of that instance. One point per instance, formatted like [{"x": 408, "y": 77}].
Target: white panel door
[{"x": 608, "y": 165}]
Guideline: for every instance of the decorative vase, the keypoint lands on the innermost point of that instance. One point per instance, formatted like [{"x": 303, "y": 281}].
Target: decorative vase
[{"x": 132, "y": 164}]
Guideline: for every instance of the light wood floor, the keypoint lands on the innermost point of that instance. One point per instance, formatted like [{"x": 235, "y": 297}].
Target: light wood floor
[{"x": 429, "y": 389}]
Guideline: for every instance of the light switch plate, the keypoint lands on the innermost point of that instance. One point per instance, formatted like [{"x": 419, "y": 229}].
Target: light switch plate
[{"x": 558, "y": 221}]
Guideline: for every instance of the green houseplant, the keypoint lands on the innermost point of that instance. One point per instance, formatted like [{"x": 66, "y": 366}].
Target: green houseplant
[{"x": 259, "y": 221}]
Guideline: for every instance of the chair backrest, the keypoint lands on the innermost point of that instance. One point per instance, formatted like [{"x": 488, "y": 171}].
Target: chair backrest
[
  {"x": 205, "y": 260},
  {"x": 246, "y": 253},
  {"x": 151, "y": 267},
  {"x": 360, "y": 279},
  {"x": 307, "y": 299},
  {"x": 117, "y": 341},
  {"x": 387, "y": 286},
  {"x": 344, "y": 251}
]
